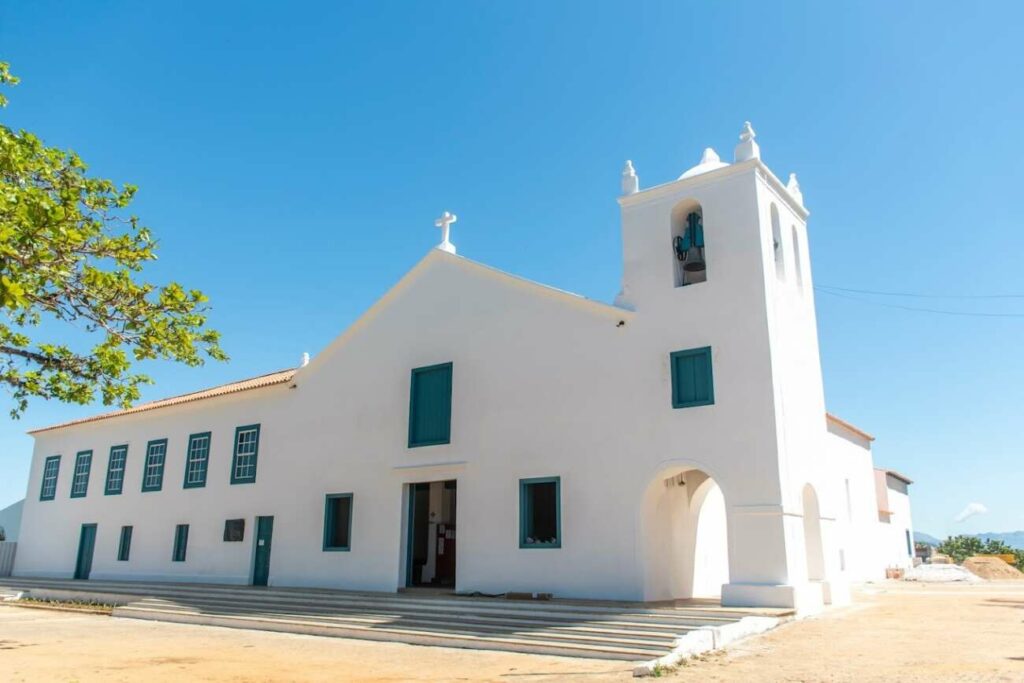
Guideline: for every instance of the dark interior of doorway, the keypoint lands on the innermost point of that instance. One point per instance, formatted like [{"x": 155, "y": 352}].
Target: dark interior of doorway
[{"x": 432, "y": 530}]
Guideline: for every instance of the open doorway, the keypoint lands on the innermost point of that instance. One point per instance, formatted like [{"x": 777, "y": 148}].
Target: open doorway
[{"x": 430, "y": 555}]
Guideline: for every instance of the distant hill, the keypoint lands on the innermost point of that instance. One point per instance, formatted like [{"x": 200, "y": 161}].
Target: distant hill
[{"x": 1014, "y": 539}]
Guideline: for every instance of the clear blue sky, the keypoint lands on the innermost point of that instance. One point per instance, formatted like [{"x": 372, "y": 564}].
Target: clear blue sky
[{"x": 292, "y": 157}]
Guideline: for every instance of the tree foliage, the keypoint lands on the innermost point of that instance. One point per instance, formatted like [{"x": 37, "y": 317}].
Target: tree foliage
[
  {"x": 959, "y": 548},
  {"x": 70, "y": 256}
]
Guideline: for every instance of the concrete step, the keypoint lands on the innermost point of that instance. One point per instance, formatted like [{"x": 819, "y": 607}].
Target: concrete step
[
  {"x": 399, "y": 634},
  {"x": 577, "y": 628},
  {"x": 581, "y": 632},
  {"x": 668, "y": 616}
]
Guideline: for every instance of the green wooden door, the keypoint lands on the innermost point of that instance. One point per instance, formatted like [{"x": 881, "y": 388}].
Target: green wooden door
[
  {"x": 261, "y": 565},
  {"x": 86, "y": 545}
]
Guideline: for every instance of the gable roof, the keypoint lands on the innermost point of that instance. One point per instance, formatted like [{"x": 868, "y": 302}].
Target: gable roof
[
  {"x": 282, "y": 376},
  {"x": 260, "y": 382}
]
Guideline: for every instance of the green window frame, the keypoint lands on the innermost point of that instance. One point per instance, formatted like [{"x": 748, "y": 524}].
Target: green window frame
[
  {"x": 692, "y": 378},
  {"x": 153, "y": 472},
  {"x": 197, "y": 459},
  {"x": 430, "y": 405},
  {"x": 180, "y": 543},
  {"x": 51, "y": 472},
  {"x": 80, "y": 477},
  {"x": 124, "y": 545},
  {"x": 338, "y": 509},
  {"x": 533, "y": 493},
  {"x": 246, "y": 452},
  {"x": 115, "y": 470}
]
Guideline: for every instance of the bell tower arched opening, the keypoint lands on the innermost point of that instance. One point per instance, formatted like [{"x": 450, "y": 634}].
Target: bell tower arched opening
[{"x": 688, "y": 244}]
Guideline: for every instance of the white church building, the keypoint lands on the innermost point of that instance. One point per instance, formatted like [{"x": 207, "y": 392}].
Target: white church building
[{"x": 481, "y": 432}]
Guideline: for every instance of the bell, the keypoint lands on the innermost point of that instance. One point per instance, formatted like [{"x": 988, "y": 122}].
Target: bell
[{"x": 695, "y": 266}]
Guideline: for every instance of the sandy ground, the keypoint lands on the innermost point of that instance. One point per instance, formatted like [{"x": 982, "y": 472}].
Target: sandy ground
[{"x": 894, "y": 632}]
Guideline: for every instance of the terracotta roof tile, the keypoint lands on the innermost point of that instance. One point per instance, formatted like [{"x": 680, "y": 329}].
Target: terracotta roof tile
[
  {"x": 846, "y": 425},
  {"x": 279, "y": 377}
]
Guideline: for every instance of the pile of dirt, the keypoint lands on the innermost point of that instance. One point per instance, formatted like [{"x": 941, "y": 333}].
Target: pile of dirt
[
  {"x": 940, "y": 573},
  {"x": 992, "y": 568}
]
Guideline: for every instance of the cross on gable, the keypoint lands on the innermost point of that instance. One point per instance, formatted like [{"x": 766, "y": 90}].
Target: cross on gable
[{"x": 445, "y": 223}]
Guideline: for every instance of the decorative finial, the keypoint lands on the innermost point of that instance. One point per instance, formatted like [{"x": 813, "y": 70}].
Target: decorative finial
[
  {"x": 709, "y": 156},
  {"x": 445, "y": 223},
  {"x": 630, "y": 181},
  {"x": 305, "y": 359},
  {"x": 794, "y": 188},
  {"x": 748, "y": 147}
]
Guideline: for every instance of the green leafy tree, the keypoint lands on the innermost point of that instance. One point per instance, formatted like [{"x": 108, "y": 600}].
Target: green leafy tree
[
  {"x": 959, "y": 548},
  {"x": 70, "y": 259}
]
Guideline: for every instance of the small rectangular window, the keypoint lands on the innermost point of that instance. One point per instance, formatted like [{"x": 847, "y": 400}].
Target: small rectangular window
[
  {"x": 197, "y": 457},
  {"x": 540, "y": 517},
  {"x": 338, "y": 522},
  {"x": 234, "y": 530},
  {"x": 243, "y": 463},
  {"x": 180, "y": 542},
  {"x": 115, "y": 470},
  {"x": 153, "y": 472},
  {"x": 51, "y": 469},
  {"x": 80, "y": 478},
  {"x": 692, "y": 383},
  {"x": 124, "y": 547},
  {"x": 430, "y": 406}
]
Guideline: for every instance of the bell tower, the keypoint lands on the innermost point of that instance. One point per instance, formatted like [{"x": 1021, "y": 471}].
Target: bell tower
[{"x": 717, "y": 259}]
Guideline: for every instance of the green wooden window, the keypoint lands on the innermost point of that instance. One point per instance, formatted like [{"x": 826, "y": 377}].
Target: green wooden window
[
  {"x": 430, "y": 406},
  {"x": 338, "y": 521},
  {"x": 115, "y": 470},
  {"x": 51, "y": 470},
  {"x": 124, "y": 546},
  {"x": 243, "y": 462},
  {"x": 180, "y": 542},
  {"x": 80, "y": 477},
  {"x": 153, "y": 472},
  {"x": 197, "y": 457},
  {"x": 692, "y": 383},
  {"x": 540, "y": 512}
]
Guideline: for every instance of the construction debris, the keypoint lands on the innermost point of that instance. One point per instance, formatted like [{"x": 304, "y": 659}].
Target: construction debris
[
  {"x": 941, "y": 573},
  {"x": 992, "y": 568}
]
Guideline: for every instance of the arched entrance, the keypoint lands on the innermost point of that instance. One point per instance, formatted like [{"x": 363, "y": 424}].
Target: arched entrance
[
  {"x": 686, "y": 551},
  {"x": 812, "y": 535}
]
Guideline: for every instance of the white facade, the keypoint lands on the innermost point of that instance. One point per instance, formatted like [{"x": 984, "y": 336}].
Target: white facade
[{"x": 654, "y": 501}]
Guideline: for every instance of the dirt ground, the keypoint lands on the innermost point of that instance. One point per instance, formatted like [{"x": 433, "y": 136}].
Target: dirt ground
[{"x": 893, "y": 632}]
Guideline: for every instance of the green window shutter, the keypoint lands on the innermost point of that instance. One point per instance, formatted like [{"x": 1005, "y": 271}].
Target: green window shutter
[
  {"x": 180, "y": 542},
  {"x": 692, "y": 382},
  {"x": 197, "y": 456},
  {"x": 338, "y": 522},
  {"x": 540, "y": 512},
  {"x": 115, "y": 470},
  {"x": 124, "y": 548},
  {"x": 153, "y": 470},
  {"x": 80, "y": 475},
  {"x": 430, "y": 406},
  {"x": 243, "y": 461},
  {"x": 51, "y": 470}
]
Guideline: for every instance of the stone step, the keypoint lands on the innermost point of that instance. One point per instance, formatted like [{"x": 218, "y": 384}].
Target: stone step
[
  {"x": 574, "y": 633},
  {"x": 399, "y": 608},
  {"x": 399, "y": 634},
  {"x": 668, "y": 616}
]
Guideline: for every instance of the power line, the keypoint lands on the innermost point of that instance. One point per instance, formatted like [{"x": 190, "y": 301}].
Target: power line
[
  {"x": 920, "y": 296},
  {"x": 969, "y": 314}
]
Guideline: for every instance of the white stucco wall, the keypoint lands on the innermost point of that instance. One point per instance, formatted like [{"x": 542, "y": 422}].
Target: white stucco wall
[{"x": 544, "y": 384}]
